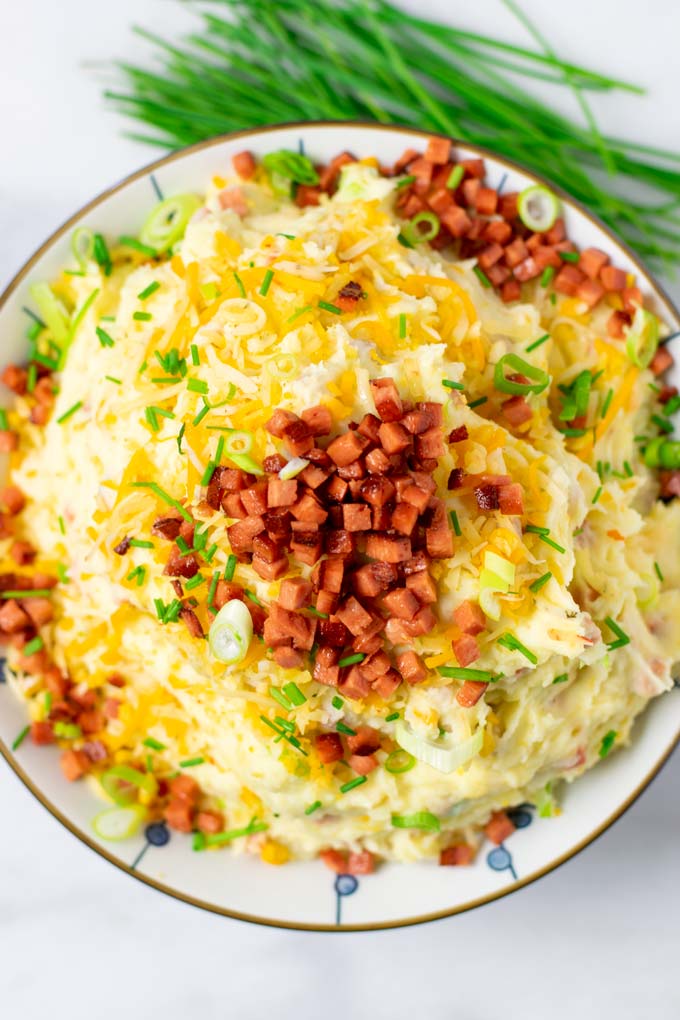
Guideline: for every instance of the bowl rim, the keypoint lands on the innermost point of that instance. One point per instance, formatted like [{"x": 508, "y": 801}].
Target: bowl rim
[{"x": 671, "y": 310}]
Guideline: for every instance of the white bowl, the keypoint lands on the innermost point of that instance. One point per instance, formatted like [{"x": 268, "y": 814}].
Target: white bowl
[{"x": 307, "y": 895}]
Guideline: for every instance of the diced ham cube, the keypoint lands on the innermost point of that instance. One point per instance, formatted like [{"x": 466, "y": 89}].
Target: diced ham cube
[
  {"x": 373, "y": 578},
  {"x": 411, "y": 667},
  {"x": 209, "y": 822},
  {"x": 438, "y": 150},
  {"x": 394, "y": 438},
  {"x": 662, "y": 361},
  {"x": 389, "y": 548},
  {"x": 355, "y": 685},
  {"x": 592, "y": 261},
  {"x": 404, "y": 518},
  {"x": 387, "y": 684},
  {"x": 466, "y": 649},
  {"x": 281, "y": 492},
  {"x": 361, "y": 862},
  {"x": 13, "y": 618},
  {"x": 376, "y": 665},
  {"x": 363, "y": 764},
  {"x": 499, "y": 827},
  {"x": 356, "y": 517},
  {"x": 318, "y": 420},
  {"x": 590, "y": 292},
  {"x": 456, "y": 220},
  {"x": 244, "y": 164},
  {"x": 458, "y": 855},
  {"x": 511, "y": 290},
  {"x": 179, "y": 816},
  {"x": 279, "y": 421},
  {"x": 308, "y": 509},
  {"x": 328, "y": 747},
  {"x": 517, "y": 411},
  {"x": 430, "y": 444},
  {"x": 612, "y": 278},
  {"x": 468, "y": 616},
  {"x": 387, "y": 400},
  {"x": 402, "y": 603},
  {"x": 354, "y": 616},
  {"x": 515, "y": 253},
  {"x": 74, "y": 764},
  {"x": 346, "y": 448},
  {"x": 470, "y": 692},
  {"x": 422, "y": 586},
  {"x": 511, "y": 499},
  {"x": 486, "y": 201},
  {"x": 416, "y": 496},
  {"x": 497, "y": 232},
  {"x": 269, "y": 570}
]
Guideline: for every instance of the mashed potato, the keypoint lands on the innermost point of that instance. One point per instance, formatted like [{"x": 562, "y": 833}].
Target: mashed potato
[{"x": 247, "y": 303}]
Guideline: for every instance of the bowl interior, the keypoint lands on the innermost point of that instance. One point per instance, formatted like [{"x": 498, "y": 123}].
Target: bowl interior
[{"x": 307, "y": 895}]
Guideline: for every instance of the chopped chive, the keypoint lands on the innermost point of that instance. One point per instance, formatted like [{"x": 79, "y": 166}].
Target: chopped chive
[
  {"x": 149, "y": 763},
  {"x": 534, "y": 529},
  {"x": 21, "y": 593},
  {"x": 657, "y": 570},
  {"x": 317, "y": 612},
  {"x": 195, "y": 356},
  {"x": 541, "y": 339},
  {"x": 513, "y": 644},
  {"x": 180, "y": 437},
  {"x": 350, "y": 660},
  {"x": 451, "y": 384},
  {"x": 279, "y": 696},
  {"x": 546, "y": 279},
  {"x": 208, "y": 473},
  {"x": 662, "y": 423},
  {"x": 455, "y": 522},
  {"x": 101, "y": 254},
  {"x": 239, "y": 284},
  {"x": 353, "y": 783},
  {"x": 143, "y": 367},
  {"x": 266, "y": 282},
  {"x": 293, "y": 692},
  {"x": 313, "y": 807},
  {"x": 197, "y": 386},
  {"x": 607, "y": 401},
  {"x": 672, "y": 405},
  {"x": 4, "y": 424},
  {"x": 477, "y": 403},
  {"x": 112, "y": 378},
  {"x": 36, "y": 645},
  {"x": 142, "y": 316},
  {"x": 539, "y": 582},
  {"x": 543, "y": 535},
  {"x": 404, "y": 181},
  {"x": 285, "y": 724},
  {"x": 148, "y": 291},
  {"x": 291, "y": 237},
  {"x": 194, "y": 582},
  {"x": 156, "y": 489},
  {"x": 402, "y": 326},
  {"x": 569, "y": 256},
  {"x": 464, "y": 673},
  {"x": 140, "y": 543},
  {"x": 607, "y": 743},
  {"x": 202, "y": 413},
  {"x": 62, "y": 526},
  {"x": 182, "y": 545},
  {"x": 341, "y": 727},
  {"x": 32, "y": 377},
  {"x": 165, "y": 380},
  {"x": 67, "y": 414},
  {"x": 391, "y": 717},
  {"x": 455, "y": 177},
  {"x": 481, "y": 276},
  {"x": 230, "y": 567},
  {"x": 219, "y": 450},
  {"x": 190, "y": 762},
  {"x": 337, "y": 702},
  {"x": 18, "y": 741},
  {"x": 561, "y": 679},
  {"x": 210, "y": 553},
  {"x": 300, "y": 311},
  {"x": 154, "y": 744},
  {"x": 253, "y": 598},
  {"x": 597, "y": 495},
  {"x": 150, "y": 415},
  {"x": 622, "y": 638},
  {"x": 138, "y": 575},
  {"x": 143, "y": 249},
  {"x": 213, "y": 588},
  {"x": 328, "y": 307}
]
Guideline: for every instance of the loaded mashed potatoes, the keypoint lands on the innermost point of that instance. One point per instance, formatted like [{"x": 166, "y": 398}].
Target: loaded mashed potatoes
[{"x": 321, "y": 539}]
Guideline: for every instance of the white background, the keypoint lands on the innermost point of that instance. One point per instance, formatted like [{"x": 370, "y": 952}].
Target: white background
[{"x": 598, "y": 939}]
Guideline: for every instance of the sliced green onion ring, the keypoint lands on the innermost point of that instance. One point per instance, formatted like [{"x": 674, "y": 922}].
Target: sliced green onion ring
[
  {"x": 541, "y": 379},
  {"x": 245, "y": 462},
  {"x": 642, "y": 338},
  {"x": 51, "y": 311},
  {"x": 439, "y": 755},
  {"x": 293, "y": 468},
  {"x": 118, "y": 823},
  {"x": 82, "y": 245},
  {"x": 231, "y": 632},
  {"x": 399, "y": 761},
  {"x": 538, "y": 207},
  {"x": 167, "y": 221},
  {"x": 239, "y": 443},
  {"x": 423, "y": 820},
  {"x": 413, "y": 231},
  {"x": 122, "y": 784}
]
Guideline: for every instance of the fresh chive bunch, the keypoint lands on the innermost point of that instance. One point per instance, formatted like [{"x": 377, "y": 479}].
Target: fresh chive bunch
[{"x": 252, "y": 62}]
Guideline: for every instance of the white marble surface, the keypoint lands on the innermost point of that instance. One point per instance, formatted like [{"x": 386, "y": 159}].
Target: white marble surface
[{"x": 599, "y": 938}]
